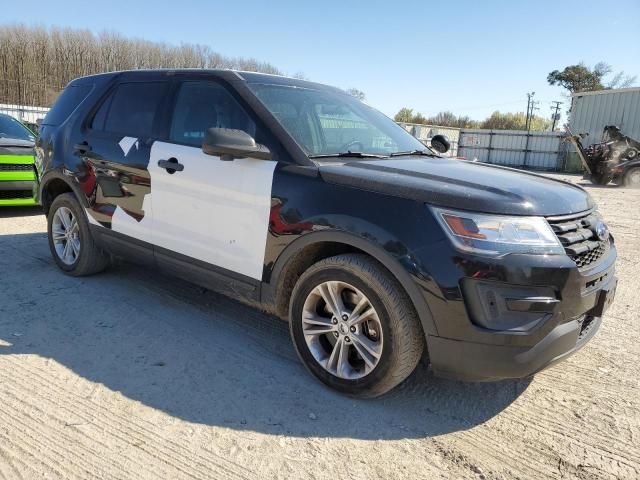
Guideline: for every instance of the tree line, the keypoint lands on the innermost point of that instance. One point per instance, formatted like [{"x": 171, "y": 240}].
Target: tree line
[
  {"x": 36, "y": 62},
  {"x": 497, "y": 120}
]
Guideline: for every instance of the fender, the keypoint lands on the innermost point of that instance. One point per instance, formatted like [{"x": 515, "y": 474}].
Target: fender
[
  {"x": 368, "y": 247},
  {"x": 68, "y": 178}
]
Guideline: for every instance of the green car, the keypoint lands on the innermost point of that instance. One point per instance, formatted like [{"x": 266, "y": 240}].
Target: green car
[{"x": 17, "y": 173}]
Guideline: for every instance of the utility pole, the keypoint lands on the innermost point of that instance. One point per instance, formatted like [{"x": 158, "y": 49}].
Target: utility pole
[
  {"x": 531, "y": 105},
  {"x": 529, "y": 96},
  {"x": 534, "y": 107},
  {"x": 556, "y": 115}
]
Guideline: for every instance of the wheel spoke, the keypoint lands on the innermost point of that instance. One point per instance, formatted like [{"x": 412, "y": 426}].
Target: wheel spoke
[
  {"x": 75, "y": 245},
  {"x": 74, "y": 226},
  {"x": 332, "y": 361},
  {"x": 338, "y": 362},
  {"x": 331, "y": 295},
  {"x": 67, "y": 251},
  {"x": 62, "y": 215},
  {"x": 362, "y": 312},
  {"x": 343, "y": 361},
  {"x": 369, "y": 359},
  {"x": 372, "y": 348},
  {"x": 317, "y": 325},
  {"x": 57, "y": 233}
]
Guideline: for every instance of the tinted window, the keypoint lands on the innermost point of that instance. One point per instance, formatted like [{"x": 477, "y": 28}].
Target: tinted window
[
  {"x": 203, "y": 105},
  {"x": 130, "y": 109},
  {"x": 66, "y": 103},
  {"x": 101, "y": 115}
]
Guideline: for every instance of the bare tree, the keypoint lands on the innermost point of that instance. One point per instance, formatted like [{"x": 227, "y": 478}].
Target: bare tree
[{"x": 36, "y": 63}]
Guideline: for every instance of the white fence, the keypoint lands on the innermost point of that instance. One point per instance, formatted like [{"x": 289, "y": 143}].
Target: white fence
[
  {"x": 513, "y": 148},
  {"x": 24, "y": 113}
]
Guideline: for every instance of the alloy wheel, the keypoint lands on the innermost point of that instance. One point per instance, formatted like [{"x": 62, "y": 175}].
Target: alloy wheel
[
  {"x": 65, "y": 233},
  {"x": 342, "y": 330}
]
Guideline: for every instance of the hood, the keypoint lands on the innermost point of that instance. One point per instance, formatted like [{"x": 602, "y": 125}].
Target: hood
[{"x": 460, "y": 184}]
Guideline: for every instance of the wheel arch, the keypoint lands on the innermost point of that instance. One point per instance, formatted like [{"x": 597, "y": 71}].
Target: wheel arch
[
  {"x": 313, "y": 247},
  {"x": 55, "y": 183}
]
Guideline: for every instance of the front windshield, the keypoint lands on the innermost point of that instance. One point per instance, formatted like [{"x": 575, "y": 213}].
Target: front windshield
[
  {"x": 12, "y": 128},
  {"x": 331, "y": 123}
]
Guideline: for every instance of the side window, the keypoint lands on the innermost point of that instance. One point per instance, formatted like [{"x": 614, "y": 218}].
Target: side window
[
  {"x": 201, "y": 105},
  {"x": 130, "y": 109},
  {"x": 101, "y": 115}
]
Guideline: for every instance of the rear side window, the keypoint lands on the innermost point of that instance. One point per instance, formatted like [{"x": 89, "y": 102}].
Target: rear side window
[
  {"x": 66, "y": 103},
  {"x": 202, "y": 105},
  {"x": 130, "y": 109}
]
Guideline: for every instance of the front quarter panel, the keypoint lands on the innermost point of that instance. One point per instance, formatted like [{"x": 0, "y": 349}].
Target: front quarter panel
[{"x": 305, "y": 209}]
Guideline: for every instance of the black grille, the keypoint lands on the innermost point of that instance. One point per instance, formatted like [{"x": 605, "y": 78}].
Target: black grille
[
  {"x": 19, "y": 167},
  {"x": 15, "y": 194},
  {"x": 578, "y": 238}
]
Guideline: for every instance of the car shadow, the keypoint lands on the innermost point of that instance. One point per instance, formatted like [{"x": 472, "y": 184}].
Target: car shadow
[
  {"x": 203, "y": 358},
  {"x": 11, "y": 212}
]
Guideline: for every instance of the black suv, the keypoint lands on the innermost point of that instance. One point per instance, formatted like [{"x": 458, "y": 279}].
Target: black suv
[{"x": 301, "y": 199}]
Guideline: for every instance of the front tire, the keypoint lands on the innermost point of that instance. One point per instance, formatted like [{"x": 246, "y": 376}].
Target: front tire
[
  {"x": 354, "y": 327},
  {"x": 70, "y": 240}
]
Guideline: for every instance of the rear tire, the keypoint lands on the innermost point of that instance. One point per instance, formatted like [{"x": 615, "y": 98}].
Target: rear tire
[
  {"x": 632, "y": 178},
  {"x": 70, "y": 240},
  {"x": 391, "y": 337}
]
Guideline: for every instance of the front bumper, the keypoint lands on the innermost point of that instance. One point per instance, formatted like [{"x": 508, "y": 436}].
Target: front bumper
[
  {"x": 17, "y": 192},
  {"x": 475, "y": 362},
  {"x": 469, "y": 352},
  {"x": 17, "y": 180}
]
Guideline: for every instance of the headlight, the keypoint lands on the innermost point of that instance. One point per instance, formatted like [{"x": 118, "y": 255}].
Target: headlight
[{"x": 498, "y": 235}]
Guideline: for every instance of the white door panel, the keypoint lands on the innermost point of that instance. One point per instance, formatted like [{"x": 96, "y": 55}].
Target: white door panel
[{"x": 215, "y": 211}]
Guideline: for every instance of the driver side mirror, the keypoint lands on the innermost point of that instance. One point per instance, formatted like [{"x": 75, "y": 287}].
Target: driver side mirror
[
  {"x": 440, "y": 143},
  {"x": 229, "y": 144}
]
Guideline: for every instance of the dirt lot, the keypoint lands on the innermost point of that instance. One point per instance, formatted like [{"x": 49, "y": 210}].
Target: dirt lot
[{"x": 131, "y": 374}]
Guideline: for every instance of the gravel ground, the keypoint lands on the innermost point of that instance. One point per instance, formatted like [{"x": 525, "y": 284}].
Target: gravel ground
[{"x": 129, "y": 374}]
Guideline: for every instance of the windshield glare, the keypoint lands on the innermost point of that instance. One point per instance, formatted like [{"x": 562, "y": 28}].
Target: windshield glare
[
  {"x": 13, "y": 129},
  {"x": 326, "y": 122}
]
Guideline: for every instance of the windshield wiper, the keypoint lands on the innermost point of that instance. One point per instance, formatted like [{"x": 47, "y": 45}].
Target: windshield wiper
[
  {"x": 348, "y": 154},
  {"x": 425, "y": 153}
]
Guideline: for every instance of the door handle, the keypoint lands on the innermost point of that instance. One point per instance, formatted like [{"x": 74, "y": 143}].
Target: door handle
[
  {"x": 171, "y": 166},
  {"x": 82, "y": 147}
]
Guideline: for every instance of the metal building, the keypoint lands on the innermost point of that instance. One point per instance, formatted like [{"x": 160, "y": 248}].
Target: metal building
[{"x": 592, "y": 111}]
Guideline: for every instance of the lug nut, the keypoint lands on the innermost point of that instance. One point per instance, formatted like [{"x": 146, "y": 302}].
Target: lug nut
[
  {"x": 353, "y": 329},
  {"x": 347, "y": 339},
  {"x": 334, "y": 320},
  {"x": 345, "y": 317},
  {"x": 336, "y": 334}
]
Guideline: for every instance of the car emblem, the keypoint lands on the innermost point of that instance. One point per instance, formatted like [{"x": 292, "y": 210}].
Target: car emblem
[{"x": 601, "y": 231}]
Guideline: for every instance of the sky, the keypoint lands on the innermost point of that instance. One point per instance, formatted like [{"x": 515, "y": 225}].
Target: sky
[{"x": 468, "y": 57}]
